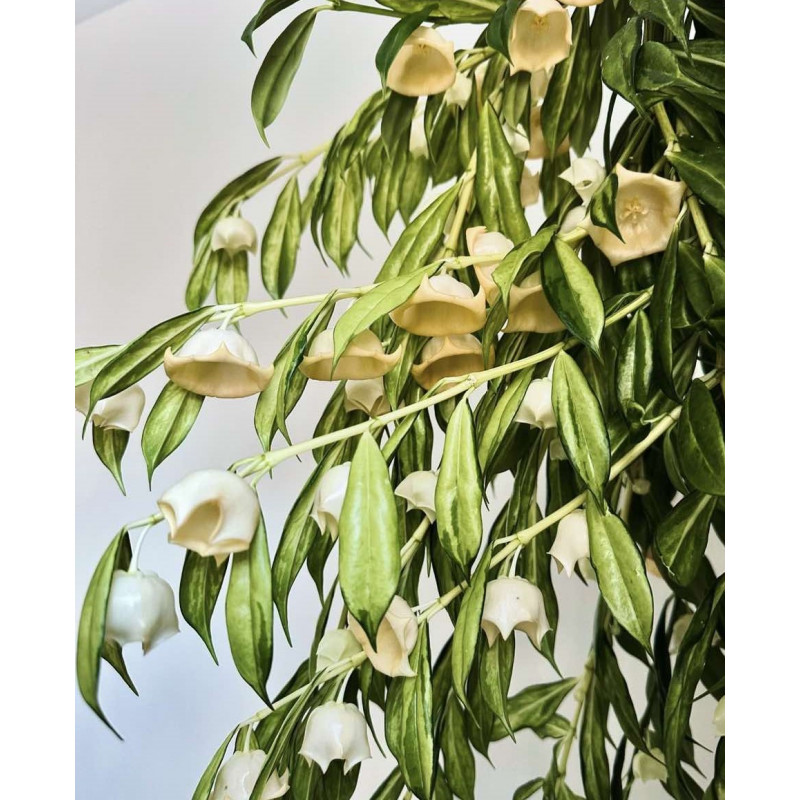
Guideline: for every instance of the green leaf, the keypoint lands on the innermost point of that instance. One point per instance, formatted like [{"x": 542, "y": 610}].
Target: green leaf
[
  {"x": 201, "y": 582},
  {"x": 573, "y": 294},
  {"x": 710, "y": 13},
  {"x": 459, "y": 760},
  {"x": 701, "y": 448},
  {"x": 281, "y": 241},
  {"x": 458, "y": 490},
  {"x": 603, "y": 205},
  {"x": 496, "y": 665},
  {"x": 112, "y": 654},
  {"x": 233, "y": 282},
  {"x": 369, "y": 539},
  {"x": 390, "y": 789},
  {"x": 269, "y": 8},
  {"x": 592, "y": 745},
  {"x": 396, "y": 38},
  {"x": 206, "y": 784},
  {"x": 619, "y": 62},
  {"x": 535, "y": 706},
  {"x": 409, "y": 720},
  {"x": 248, "y": 612},
  {"x": 682, "y": 536},
  {"x": 581, "y": 426},
  {"x": 635, "y": 367},
  {"x": 661, "y": 309},
  {"x": 501, "y": 416},
  {"x": 507, "y": 270},
  {"x": 90, "y": 360},
  {"x": 110, "y": 445},
  {"x": 92, "y": 626},
  {"x": 701, "y": 164},
  {"x": 621, "y": 576},
  {"x": 498, "y": 31},
  {"x": 168, "y": 424},
  {"x": 340, "y": 217},
  {"x": 278, "y": 69},
  {"x": 670, "y": 13},
  {"x": 528, "y": 789}
]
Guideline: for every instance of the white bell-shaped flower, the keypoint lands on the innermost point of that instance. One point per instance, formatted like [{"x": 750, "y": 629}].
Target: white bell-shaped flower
[
  {"x": 218, "y": 363},
  {"x": 538, "y": 148},
  {"x": 459, "y": 93},
  {"x": 530, "y": 310},
  {"x": 363, "y": 358},
  {"x": 541, "y": 36},
  {"x": 417, "y": 141},
  {"x": 141, "y": 608},
  {"x": 517, "y": 139},
  {"x": 397, "y": 635},
  {"x": 537, "y": 406},
  {"x": 581, "y": 3},
  {"x": 234, "y": 234},
  {"x": 481, "y": 242},
  {"x": 585, "y": 175},
  {"x": 335, "y": 646},
  {"x": 213, "y": 512},
  {"x": 719, "y": 717},
  {"x": 120, "y": 412},
  {"x": 418, "y": 489},
  {"x": 574, "y": 218},
  {"x": 368, "y": 396},
  {"x": 513, "y": 603},
  {"x": 238, "y": 775},
  {"x": 329, "y": 498},
  {"x": 335, "y": 731},
  {"x": 424, "y": 65},
  {"x": 571, "y": 546},
  {"x": 649, "y": 767},
  {"x": 528, "y": 187},
  {"x": 449, "y": 357}
]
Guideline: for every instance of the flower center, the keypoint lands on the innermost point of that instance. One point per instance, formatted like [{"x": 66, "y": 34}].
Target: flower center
[
  {"x": 634, "y": 211},
  {"x": 541, "y": 23}
]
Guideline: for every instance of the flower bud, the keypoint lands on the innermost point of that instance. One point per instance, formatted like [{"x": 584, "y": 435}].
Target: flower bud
[
  {"x": 419, "y": 490},
  {"x": 537, "y": 406},
  {"x": 424, "y": 65},
  {"x": 363, "y": 358},
  {"x": 335, "y": 731},
  {"x": 329, "y": 498},
  {"x": 513, "y": 603},
  {"x": 441, "y": 305},
  {"x": 417, "y": 141},
  {"x": 481, "y": 242},
  {"x": 574, "y": 218},
  {"x": 141, "y": 608},
  {"x": 585, "y": 174},
  {"x": 572, "y": 542},
  {"x": 640, "y": 486},
  {"x": 448, "y": 357},
  {"x": 528, "y": 188},
  {"x": 529, "y": 308},
  {"x": 238, "y": 775},
  {"x": 213, "y": 512},
  {"x": 648, "y": 768},
  {"x": 234, "y": 234},
  {"x": 217, "y": 363},
  {"x": 719, "y": 717},
  {"x": 335, "y": 646},
  {"x": 538, "y": 148},
  {"x": 541, "y": 36},
  {"x": 647, "y": 208},
  {"x": 459, "y": 93},
  {"x": 397, "y": 635},
  {"x": 120, "y": 412},
  {"x": 368, "y": 396}
]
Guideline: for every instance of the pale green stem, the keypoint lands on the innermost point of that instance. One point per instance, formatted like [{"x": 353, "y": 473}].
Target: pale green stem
[
  {"x": 574, "y": 237},
  {"x": 409, "y": 549},
  {"x": 134, "y": 565},
  {"x": 580, "y": 696},
  {"x": 464, "y": 200}
]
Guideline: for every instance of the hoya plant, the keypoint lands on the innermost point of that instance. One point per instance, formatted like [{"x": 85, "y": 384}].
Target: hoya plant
[{"x": 583, "y": 361}]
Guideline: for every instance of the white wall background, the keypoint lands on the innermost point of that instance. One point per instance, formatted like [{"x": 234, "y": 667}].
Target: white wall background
[{"x": 162, "y": 123}]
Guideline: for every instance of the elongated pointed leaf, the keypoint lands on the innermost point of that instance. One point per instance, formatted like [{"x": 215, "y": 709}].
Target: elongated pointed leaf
[
  {"x": 701, "y": 448},
  {"x": 269, "y": 8},
  {"x": 90, "y": 360},
  {"x": 496, "y": 665},
  {"x": 233, "y": 281},
  {"x": 110, "y": 445},
  {"x": 206, "y": 784},
  {"x": 670, "y": 13},
  {"x": 592, "y": 745},
  {"x": 459, "y": 760},
  {"x": 281, "y": 241},
  {"x": 661, "y": 310},
  {"x": 508, "y": 269},
  {"x": 535, "y": 706},
  {"x": 701, "y": 164},
  {"x": 201, "y": 582},
  {"x": 619, "y": 62},
  {"x": 635, "y": 367},
  {"x": 112, "y": 654},
  {"x": 603, "y": 205},
  {"x": 498, "y": 31},
  {"x": 682, "y": 536}
]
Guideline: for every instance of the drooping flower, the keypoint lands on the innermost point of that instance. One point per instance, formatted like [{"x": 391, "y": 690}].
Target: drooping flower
[
  {"x": 363, "y": 358},
  {"x": 719, "y": 717},
  {"x": 513, "y": 603},
  {"x": 213, "y": 512},
  {"x": 538, "y": 148},
  {"x": 571, "y": 546},
  {"x": 218, "y": 363},
  {"x": 528, "y": 188},
  {"x": 234, "y": 234},
  {"x": 238, "y": 775},
  {"x": 120, "y": 412},
  {"x": 649, "y": 767},
  {"x": 424, "y": 65},
  {"x": 419, "y": 490},
  {"x": 481, "y": 242},
  {"x": 335, "y": 731},
  {"x": 397, "y": 635},
  {"x": 417, "y": 141},
  {"x": 585, "y": 175},
  {"x": 574, "y": 218},
  {"x": 540, "y": 79},
  {"x": 541, "y": 36},
  {"x": 448, "y": 357},
  {"x": 335, "y": 646},
  {"x": 459, "y": 93},
  {"x": 328, "y": 499},
  {"x": 141, "y": 608},
  {"x": 647, "y": 208},
  {"x": 537, "y": 406},
  {"x": 368, "y": 396},
  {"x": 529, "y": 309}
]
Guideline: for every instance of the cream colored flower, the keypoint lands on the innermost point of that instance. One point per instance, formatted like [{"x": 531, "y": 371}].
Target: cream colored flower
[
  {"x": 528, "y": 188},
  {"x": 529, "y": 310},
  {"x": 335, "y": 731},
  {"x": 329, "y": 498},
  {"x": 581, "y": 3},
  {"x": 517, "y": 139},
  {"x": 218, "y": 363},
  {"x": 120, "y": 412},
  {"x": 363, "y": 358},
  {"x": 647, "y": 208},
  {"x": 540, "y": 79},
  {"x": 238, "y": 775},
  {"x": 648, "y": 768},
  {"x": 585, "y": 175},
  {"x": 571, "y": 546},
  {"x": 141, "y": 608},
  {"x": 417, "y": 141},
  {"x": 538, "y": 148},
  {"x": 719, "y": 717},
  {"x": 481, "y": 242},
  {"x": 448, "y": 357},
  {"x": 335, "y": 646},
  {"x": 213, "y": 512},
  {"x": 397, "y": 635},
  {"x": 425, "y": 65},
  {"x": 459, "y": 93},
  {"x": 574, "y": 218},
  {"x": 541, "y": 36},
  {"x": 419, "y": 490},
  {"x": 537, "y": 405},
  {"x": 368, "y": 396},
  {"x": 513, "y": 603},
  {"x": 441, "y": 305},
  {"x": 234, "y": 234}
]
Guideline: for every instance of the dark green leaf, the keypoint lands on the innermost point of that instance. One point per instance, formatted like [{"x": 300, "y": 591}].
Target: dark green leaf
[
  {"x": 670, "y": 13},
  {"x": 661, "y": 309},
  {"x": 635, "y": 367},
  {"x": 603, "y": 205},
  {"x": 201, "y": 582},
  {"x": 281, "y": 241},
  {"x": 496, "y": 665},
  {"x": 112, "y": 654},
  {"x": 501, "y": 416},
  {"x": 507, "y": 270},
  {"x": 592, "y": 744},
  {"x": 701, "y": 164},
  {"x": 701, "y": 448},
  {"x": 110, "y": 445},
  {"x": 341, "y": 213},
  {"x": 269, "y": 8},
  {"x": 536, "y": 706},
  {"x": 391, "y": 788},
  {"x": 459, "y": 761},
  {"x": 682, "y": 535},
  {"x": 528, "y": 789},
  {"x": 619, "y": 61},
  {"x": 499, "y": 29}
]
